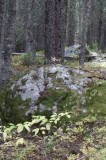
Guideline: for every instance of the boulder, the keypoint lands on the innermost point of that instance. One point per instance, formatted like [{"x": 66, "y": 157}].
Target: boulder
[
  {"x": 42, "y": 91},
  {"x": 72, "y": 51}
]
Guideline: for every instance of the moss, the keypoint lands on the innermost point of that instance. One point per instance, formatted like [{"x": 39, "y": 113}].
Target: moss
[
  {"x": 12, "y": 108},
  {"x": 23, "y": 81},
  {"x": 65, "y": 99},
  {"x": 96, "y": 99},
  {"x": 34, "y": 76}
]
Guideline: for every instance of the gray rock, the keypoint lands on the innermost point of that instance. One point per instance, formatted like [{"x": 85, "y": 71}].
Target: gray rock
[
  {"x": 42, "y": 108},
  {"x": 31, "y": 85},
  {"x": 72, "y": 51},
  {"x": 36, "y": 88}
]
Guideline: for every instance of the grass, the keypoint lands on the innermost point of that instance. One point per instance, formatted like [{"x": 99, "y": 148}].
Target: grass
[
  {"x": 97, "y": 65},
  {"x": 88, "y": 65},
  {"x": 96, "y": 99}
]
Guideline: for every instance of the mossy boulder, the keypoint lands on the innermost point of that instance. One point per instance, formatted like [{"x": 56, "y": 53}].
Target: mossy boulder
[{"x": 42, "y": 91}]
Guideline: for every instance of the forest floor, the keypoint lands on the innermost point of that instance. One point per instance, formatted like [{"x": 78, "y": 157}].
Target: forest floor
[{"x": 85, "y": 141}]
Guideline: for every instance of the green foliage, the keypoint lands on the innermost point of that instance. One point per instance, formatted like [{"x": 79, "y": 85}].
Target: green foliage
[
  {"x": 20, "y": 141},
  {"x": 16, "y": 60},
  {"x": 12, "y": 108},
  {"x": 39, "y": 125},
  {"x": 29, "y": 59},
  {"x": 63, "y": 98},
  {"x": 93, "y": 47},
  {"x": 91, "y": 130},
  {"x": 96, "y": 99}
]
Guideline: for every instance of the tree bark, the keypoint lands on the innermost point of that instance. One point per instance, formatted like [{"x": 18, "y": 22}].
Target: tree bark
[
  {"x": 70, "y": 31},
  {"x": 54, "y": 32},
  {"x": 30, "y": 42},
  {"x": 86, "y": 16},
  {"x": 2, "y": 22},
  {"x": 8, "y": 43},
  {"x": 101, "y": 25}
]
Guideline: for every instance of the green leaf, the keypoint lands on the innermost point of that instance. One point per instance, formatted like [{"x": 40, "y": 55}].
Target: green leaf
[
  {"x": 27, "y": 127},
  {"x": 12, "y": 127},
  {"x": 35, "y": 121},
  {"x": 20, "y": 141},
  {"x": 4, "y": 136},
  {"x": 36, "y": 131},
  {"x": 43, "y": 132},
  {"x": 20, "y": 128},
  {"x": 44, "y": 121},
  {"x": 42, "y": 128},
  {"x": 61, "y": 114},
  {"x": 48, "y": 126},
  {"x": 68, "y": 116},
  {"x": 11, "y": 124}
]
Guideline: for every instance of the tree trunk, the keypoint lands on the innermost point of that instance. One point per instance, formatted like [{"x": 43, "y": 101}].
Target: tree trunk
[
  {"x": 8, "y": 43},
  {"x": 86, "y": 16},
  {"x": 30, "y": 42},
  {"x": 70, "y": 31},
  {"x": 101, "y": 25},
  {"x": 54, "y": 32},
  {"x": 2, "y": 22}
]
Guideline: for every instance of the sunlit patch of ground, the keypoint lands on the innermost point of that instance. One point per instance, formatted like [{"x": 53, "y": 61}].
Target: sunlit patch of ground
[{"x": 95, "y": 65}]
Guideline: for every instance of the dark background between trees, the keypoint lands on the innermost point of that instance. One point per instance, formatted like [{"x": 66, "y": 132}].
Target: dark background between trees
[
  {"x": 30, "y": 17},
  {"x": 49, "y": 25}
]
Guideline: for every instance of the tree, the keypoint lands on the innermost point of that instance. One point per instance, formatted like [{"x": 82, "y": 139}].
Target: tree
[
  {"x": 7, "y": 39},
  {"x": 71, "y": 22},
  {"x": 86, "y": 16},
  {"x": 54, "y": 32},
  {"x": 30, "y": 41},
  {"x": 2, "y": 20},
  {"x": 97, "y": 27},
  {"x": 101, "y": 24}
]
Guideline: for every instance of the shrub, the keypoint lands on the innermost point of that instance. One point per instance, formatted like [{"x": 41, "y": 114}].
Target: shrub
[
  {"x": 93, "y": 47},
  {"x": 28, "y": 60}
]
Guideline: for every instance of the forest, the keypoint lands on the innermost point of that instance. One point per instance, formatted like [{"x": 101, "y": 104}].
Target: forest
[{"x": 52, "y": 80}]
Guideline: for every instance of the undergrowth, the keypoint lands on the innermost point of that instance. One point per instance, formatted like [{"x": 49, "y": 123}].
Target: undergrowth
[{"x": 55, "y": 138}]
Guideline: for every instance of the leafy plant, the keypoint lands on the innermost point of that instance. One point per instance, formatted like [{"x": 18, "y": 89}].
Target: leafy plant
[
  {"x": 93, "y": 47},
  {"x": 38, "y": 125},
  {"x": 59, "y": 133},
  {"x": 28, "y": 59}
]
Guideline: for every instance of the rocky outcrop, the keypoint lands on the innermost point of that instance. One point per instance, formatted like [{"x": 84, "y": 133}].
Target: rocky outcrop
[{"x": 44, "y": 90}]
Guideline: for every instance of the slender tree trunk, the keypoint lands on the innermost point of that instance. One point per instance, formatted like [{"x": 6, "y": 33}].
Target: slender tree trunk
[
  {"x": 70, "y": 32},
  {"x": 54, "y": 32},
  {"x": 86, "y": 16},
  {"x": 2, "y": 22},
  {"x": 101, "y": 25},
  {"x": 30, "y": 42},
  {"x": 8, "y": 42},
  {"x": 59, "y": 31},
  {"x": 79, "y": 14},
  {"x": 1, "y": 29}
]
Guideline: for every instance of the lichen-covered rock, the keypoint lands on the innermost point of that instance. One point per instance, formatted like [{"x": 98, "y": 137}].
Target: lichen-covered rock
[{"x": 44, "y": 91}]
